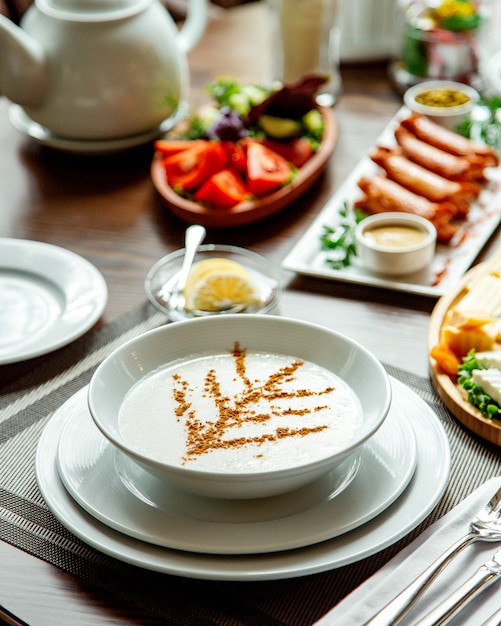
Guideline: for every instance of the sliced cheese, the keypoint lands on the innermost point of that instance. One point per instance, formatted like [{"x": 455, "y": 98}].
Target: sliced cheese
[
  {"x": 492, "y": 266},
  {"x": 467, "y": 319},
  {"x": 484, "y": 295},
  {"x": 490, "y": 359},
  {"x": 461, "y": 341},
  {"x": 490, "y": 382}
]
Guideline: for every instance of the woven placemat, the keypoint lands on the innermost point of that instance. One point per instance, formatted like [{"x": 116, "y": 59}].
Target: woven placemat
[{"x": 34, "y": 390}]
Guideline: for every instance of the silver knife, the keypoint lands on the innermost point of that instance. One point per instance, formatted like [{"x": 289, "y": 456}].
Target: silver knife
[{"x": 486, "y": 574}]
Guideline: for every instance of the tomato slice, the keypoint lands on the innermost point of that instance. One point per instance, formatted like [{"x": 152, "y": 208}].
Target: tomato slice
[
  {"x": 224, "y": 189},
  {"x": 190, "y": 168},
  {"x": 237, "y": 159},
  {"x": 297, "y": 151},
  {"x": 168, "y": 147},
  {"x": 266, "y": 170}
]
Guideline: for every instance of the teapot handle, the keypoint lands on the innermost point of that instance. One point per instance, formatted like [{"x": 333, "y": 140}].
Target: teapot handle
[{"x": 194, "y": 25}]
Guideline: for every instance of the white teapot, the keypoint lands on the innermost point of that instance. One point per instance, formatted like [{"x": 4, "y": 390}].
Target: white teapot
[{"x": 98, "y": 69}]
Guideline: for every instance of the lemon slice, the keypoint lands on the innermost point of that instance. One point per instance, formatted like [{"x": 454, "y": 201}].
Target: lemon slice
[{"x": 218, "y": 284}]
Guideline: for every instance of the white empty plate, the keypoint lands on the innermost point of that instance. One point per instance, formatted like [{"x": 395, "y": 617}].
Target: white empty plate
[{"x": 49, "y": 297}]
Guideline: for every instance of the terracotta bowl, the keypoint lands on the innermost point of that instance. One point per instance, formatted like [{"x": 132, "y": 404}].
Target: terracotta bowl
[{"x": 255, "y": 210}]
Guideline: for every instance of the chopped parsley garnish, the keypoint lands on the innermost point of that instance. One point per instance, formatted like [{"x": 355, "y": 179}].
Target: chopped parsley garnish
[
  {"x": 476, "y": 396},
  {"x": 339, "y": 240},
  {"x": 488, "y": 127}
]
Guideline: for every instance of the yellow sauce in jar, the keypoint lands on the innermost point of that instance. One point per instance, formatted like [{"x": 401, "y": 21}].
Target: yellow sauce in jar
[
  {"x": 442, "y": 98},
  {"x": 395, "y": 237}
]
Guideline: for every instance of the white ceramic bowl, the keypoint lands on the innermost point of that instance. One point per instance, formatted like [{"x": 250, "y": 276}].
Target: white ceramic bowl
[
  {"x": 138, "y": 358},
  {"x": 448, "y": 116},
  {"x": 406, "y": 249}
]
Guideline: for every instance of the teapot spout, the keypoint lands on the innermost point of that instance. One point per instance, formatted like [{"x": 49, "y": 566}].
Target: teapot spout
[
  {"x": 194, "y": 26},
  {"x": 24, "y": 69}
]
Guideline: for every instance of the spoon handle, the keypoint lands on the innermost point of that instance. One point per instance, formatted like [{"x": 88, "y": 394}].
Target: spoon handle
[
  {"x": 193, "y": 238},
  {"x": 395, "y": 610}
]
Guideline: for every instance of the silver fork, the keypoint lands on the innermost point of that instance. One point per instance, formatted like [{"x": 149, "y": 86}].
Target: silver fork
[{"x": 485, "y": 526}]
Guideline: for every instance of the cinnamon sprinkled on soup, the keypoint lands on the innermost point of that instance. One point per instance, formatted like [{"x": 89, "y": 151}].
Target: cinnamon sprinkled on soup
[{"x": 241, "y": 410}]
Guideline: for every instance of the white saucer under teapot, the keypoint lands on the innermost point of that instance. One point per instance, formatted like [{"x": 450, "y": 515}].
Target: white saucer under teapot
[{"x": 98, "y": 70}]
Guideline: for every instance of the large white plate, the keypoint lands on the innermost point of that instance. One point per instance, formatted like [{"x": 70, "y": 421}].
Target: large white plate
[
  {"x": 348, "y": 497},
  {"x": 49, "y": 297},
  {"x": 450, "y": 262},
  {"x": 425, "y": 489}
]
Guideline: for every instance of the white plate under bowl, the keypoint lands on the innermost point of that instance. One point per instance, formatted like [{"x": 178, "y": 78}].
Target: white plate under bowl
[
  {"x": 418, "y": 500},
  {"x": 50, "y": 297},
  {"x": 344, "y": 499},
  {"x": 162, "y": 280}
]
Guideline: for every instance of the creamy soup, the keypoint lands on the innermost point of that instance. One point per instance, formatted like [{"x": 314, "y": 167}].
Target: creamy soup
[
  {"x": 240, "y": 411},
  {"x": 395, "y": 236}
]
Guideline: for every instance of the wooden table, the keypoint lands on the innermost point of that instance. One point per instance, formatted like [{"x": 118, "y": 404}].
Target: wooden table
[{"x": 106, "y": 210}]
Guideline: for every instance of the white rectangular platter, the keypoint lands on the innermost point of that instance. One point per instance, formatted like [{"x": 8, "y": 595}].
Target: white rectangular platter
[{"x": 450, "y": 262}]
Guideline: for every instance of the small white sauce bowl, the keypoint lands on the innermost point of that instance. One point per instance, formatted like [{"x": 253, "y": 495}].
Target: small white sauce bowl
[
  {"x": 448, "y": 116},
  {"x": 395, "y": 259},
  {"x": 135, "y": 360}
]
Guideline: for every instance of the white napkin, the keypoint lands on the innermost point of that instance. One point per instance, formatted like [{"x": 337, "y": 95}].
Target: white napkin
[{"x": 378, "y": 590}]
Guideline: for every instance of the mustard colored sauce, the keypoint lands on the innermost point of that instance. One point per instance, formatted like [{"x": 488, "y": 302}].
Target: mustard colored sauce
[
  {"x": 395, "y": 237},
  {"x": 442, "y": 98}
]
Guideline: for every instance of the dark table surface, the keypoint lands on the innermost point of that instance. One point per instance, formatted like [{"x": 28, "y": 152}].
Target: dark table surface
[{"x": 106, "y": 209}]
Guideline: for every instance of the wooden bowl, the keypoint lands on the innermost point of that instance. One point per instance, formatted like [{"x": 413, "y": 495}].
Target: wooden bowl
[
  {"x": 255, "y": 210},
  {"x": 453, "y": 396}
]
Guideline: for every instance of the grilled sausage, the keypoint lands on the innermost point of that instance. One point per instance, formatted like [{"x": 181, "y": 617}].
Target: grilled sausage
[
  {"x": 442, "y": 163},
  {"x": 382, "y": 195},
  {"x": 444, "y": 139},
  {"x": 424, "y": 182}
]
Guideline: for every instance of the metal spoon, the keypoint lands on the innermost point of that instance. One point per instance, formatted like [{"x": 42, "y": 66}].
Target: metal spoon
[{"x": 173, "y": 293}]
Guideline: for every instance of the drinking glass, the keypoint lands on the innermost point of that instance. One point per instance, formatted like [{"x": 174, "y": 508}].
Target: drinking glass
[{"x": 305, "y": 41}]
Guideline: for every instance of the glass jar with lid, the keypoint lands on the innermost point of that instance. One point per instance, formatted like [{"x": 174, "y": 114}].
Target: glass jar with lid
[{"x": 441, "y": 39}]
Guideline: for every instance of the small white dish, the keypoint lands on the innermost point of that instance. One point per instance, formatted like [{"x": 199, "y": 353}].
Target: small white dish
[
  {"x": 133, "y": 362},
  {"x": 439, "y": 97},
  {"x": 140, "y": 506},
  {"x": 162, "y": 279},
  {"x": 45, "y": 137},
  {"x": 411, "y": 508},
  {"x": 395, "y": 243},
  {"x": 50, "y": 297}
]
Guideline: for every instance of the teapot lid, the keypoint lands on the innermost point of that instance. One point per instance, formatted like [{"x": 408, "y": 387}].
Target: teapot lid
[{"x": 90, "y": 10}]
